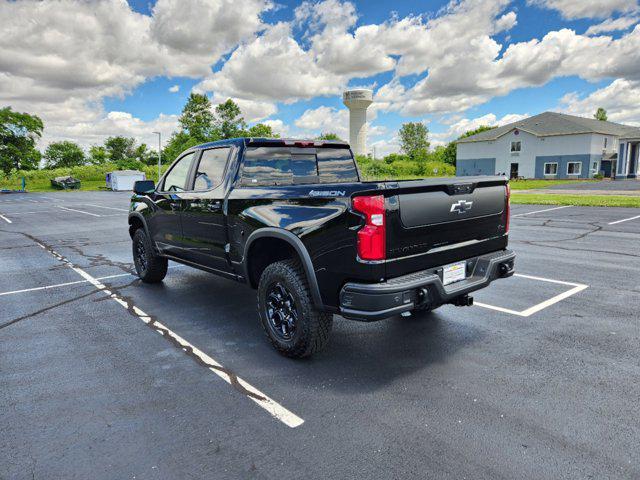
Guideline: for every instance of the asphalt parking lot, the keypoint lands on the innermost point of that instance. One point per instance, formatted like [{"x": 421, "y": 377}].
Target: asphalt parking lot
[{"x": 104, "y": 377}]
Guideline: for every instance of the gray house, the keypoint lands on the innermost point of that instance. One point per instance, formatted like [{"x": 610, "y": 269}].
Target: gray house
[{"x": 549, "y": 145}]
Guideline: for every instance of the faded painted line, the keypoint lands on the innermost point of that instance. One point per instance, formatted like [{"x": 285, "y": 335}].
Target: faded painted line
[
  {"x": 58, "y": 285},
  {"x": 5, "y": 219},
  {"x": 25, "y": 213},
  {"x": 623, "y": 220},
  {"x": 577, "y": 287},
  {"x": 274, "y": 408},
  {"x": 108, "y": 208},
  {"x": 79, "y": 211},
  {"x": 540, "y": 211}
]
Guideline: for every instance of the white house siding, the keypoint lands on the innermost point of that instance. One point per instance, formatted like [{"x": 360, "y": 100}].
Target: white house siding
[{"x": 535, "y": 151}]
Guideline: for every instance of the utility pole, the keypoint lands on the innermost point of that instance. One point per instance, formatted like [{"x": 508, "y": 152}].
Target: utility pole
[{"x": 159, "y": 152}]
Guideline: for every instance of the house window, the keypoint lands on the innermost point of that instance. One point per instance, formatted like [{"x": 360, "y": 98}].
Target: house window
[
  {"x": 516, "y": 147},
  {"x": 574, "y": 168},
  {"x": 605, "y": 142},
  {"x": 595, "y": 166},
  {"x": 551, "y": 168}
]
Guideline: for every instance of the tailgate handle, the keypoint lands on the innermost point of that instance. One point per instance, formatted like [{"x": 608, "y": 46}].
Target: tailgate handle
[{"x": 461, "y": 188}]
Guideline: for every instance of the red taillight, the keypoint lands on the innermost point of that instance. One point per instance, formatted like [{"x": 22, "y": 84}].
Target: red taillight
[
  {"x": 371, "y": 237},
  {"x": 508, "y": 199}
]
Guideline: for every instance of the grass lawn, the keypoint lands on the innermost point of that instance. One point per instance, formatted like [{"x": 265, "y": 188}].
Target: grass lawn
[
  {"x": 530, "y": 184},
  {"x": 44, "y": 185},
  {"x": 577, "y": 200}
]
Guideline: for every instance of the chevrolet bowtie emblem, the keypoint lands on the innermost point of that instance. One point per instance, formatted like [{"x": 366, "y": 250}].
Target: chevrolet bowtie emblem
[{"x": 461, "y": 206}]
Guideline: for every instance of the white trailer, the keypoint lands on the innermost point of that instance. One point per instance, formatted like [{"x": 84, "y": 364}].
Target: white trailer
[{"x": 122, "y": 180}]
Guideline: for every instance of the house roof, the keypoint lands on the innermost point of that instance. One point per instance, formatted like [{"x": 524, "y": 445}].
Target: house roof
[{"x": 552, "y": 123}]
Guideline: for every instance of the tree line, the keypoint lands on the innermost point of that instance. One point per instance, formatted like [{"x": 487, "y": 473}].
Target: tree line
[{"x": 199, "y": 123}]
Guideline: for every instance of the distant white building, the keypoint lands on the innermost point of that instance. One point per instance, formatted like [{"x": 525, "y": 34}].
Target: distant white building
[{"x": 549, "y": 145}]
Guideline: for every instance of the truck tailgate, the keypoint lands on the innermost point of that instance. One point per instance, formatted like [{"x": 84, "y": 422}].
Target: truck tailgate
[{"x": 438, "y": 221}]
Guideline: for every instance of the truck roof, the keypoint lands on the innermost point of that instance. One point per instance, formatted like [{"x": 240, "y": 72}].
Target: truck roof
[{"x": 293, "y": 142}]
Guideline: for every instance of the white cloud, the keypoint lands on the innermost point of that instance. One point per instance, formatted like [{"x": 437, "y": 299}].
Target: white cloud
[
  {"x": 384, "y": 147},
  {"x": 95, "y": 129},
  {"x": 571, "y": 9},
  {"x": 612, "y": 25},
  {"x": 278, "y": 126},
  {"x": 325, "y": 120},
  {"x": 618, "y": 98},
  {"x": 174, "y": 89},
  {"x": 272, "y": 67},
  {"x": 204, "y": 28},
  {"x": 60, "y": 59},
  {"x": 462, "y": 125}
]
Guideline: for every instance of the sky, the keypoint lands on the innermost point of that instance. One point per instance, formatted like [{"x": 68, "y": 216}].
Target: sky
[{"x": 92, "y": 69}]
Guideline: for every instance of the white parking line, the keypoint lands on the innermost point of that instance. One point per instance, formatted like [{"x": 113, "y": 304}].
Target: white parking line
[
  {"x": 57, "y": 285},
  {"x": 577, "y": 287},
  {"x": 623, "y": 220},
  {"x": 540, "y": 211},
  {"x": 5, "y": 219},
  {"x": 109, "y": 208},
  {"x": 79, "y": 211},
  {"x": 262, "y": 400}
]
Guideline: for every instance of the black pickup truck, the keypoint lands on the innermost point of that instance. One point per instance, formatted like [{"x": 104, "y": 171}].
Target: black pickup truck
[{"x": 292, "y": 219}]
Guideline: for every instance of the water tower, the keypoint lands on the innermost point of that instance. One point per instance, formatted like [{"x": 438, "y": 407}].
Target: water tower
[{"x": 357, "y": 101}]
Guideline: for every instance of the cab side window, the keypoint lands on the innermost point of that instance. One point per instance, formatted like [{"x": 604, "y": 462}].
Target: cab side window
[
  {"x": 211, "y": 168},
  {"x": 176, "y": 179}
]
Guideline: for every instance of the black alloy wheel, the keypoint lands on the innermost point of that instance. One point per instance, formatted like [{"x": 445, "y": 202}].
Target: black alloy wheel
[{"x": 281, "y": 311}]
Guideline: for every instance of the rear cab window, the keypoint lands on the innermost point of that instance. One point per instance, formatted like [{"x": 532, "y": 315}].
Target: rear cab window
[
  {"x": 211, "y": 168},
  {"x": 269, "y": 166}
]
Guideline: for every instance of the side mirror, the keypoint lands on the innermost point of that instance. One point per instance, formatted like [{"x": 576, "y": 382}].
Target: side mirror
[{"x": 142, "y": 187}]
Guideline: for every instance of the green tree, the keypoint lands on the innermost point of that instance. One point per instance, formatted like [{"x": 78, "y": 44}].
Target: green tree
[
  {"x": 18, "y": 135},
  {"x": 601, "y": 114},
  {"x": 228, "y": 122},
  {"x": 178, "y": 143},
  {"x": 197, "y": 118},
  {"x": 144, "y": 155},
  {"x": 64, "y": 154},
  {"x": 97, "y": 155},
  {"x": 261, "y": 130},
  {"x": 120, "y": 148},
  {"x": 329, "y": 136},
  {"x": 414, "y": 139}
]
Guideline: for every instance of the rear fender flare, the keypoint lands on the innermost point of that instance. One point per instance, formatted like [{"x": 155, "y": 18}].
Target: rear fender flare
[{"x": 299, "y": 248}]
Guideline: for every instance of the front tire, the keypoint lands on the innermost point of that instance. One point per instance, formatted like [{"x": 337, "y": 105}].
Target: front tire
[
  {"x": 292, "y": 324},
  {"x": 150, "y": 267}
]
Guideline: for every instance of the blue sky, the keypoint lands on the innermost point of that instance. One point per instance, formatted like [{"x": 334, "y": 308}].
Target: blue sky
[{"x": 453, "y": 65}]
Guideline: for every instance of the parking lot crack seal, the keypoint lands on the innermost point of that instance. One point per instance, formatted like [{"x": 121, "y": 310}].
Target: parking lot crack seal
[
  {"x": 46, "y": 309},
  {"x": 271, "y": 406}
]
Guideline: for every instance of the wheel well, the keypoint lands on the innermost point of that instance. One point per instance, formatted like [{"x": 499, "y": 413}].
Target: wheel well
[
  {"x": 265, "y": 251},
  {"x": 134, "y": 224}
]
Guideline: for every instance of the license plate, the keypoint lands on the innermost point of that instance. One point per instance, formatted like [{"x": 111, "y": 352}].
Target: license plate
[{"x": 454, "y": 273}]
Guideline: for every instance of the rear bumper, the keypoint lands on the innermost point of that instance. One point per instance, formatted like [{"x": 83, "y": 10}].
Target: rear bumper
[{"x": 368, "y": 302}]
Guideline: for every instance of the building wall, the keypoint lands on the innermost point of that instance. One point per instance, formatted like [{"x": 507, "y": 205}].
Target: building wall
[
  {"x": 589, "y": 146},
  {"x": 586, "y": 170},
  {"x": 476, "y": 166}
]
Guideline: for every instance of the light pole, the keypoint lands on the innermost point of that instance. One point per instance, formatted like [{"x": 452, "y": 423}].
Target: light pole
[{"x": 159, "y": 152}]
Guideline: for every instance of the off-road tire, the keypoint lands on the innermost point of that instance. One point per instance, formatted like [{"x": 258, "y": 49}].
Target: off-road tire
[
  {"x": 312, "y": 327},
  {"x": 154, "y": 267}
]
